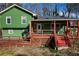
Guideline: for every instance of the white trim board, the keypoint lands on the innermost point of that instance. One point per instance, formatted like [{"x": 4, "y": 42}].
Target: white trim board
[{"x": 18, "y": 7}]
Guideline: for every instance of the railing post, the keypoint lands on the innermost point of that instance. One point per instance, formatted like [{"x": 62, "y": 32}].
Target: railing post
[{"x": 9, "y": 42}]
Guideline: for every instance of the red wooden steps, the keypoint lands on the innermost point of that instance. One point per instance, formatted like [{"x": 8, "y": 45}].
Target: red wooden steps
[{"x": 60, "y": 41}]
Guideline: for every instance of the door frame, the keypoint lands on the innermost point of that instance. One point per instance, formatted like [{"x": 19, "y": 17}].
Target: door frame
[{"x": 39, "y": 28}]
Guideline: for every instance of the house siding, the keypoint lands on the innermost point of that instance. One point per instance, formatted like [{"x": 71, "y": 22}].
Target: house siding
[
  {"x": 16, "y": 34},
  {"x": 16, "y": 25},
  {"x": 16, "y": 14}
]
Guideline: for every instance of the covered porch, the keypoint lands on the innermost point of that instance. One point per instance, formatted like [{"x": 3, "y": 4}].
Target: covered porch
[
  {"x": 42, "y": 29},
  {"x": 48, "y": 27}
]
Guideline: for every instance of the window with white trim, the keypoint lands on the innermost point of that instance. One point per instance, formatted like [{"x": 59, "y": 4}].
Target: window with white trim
[
  {"x": 23, "y": 19},
  {"x": 10, "y": 31},
  {"x": 8, "y": 20}
]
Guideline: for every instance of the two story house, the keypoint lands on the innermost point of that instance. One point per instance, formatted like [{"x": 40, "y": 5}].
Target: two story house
[{"x": 14, "y": 20}]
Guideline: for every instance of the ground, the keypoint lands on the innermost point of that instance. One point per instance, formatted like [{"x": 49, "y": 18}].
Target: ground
[
  {"x": 40, "y": 51},
  {"x": 26, "y": 51}
]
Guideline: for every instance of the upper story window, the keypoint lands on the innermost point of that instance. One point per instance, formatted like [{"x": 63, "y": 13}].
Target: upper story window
[
  {"x": 23, "y": 19},
  {"x": 8, "y": 20}
]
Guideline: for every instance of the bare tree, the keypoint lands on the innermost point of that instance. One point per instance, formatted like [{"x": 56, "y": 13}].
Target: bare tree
[{"x": 73, "y": 7}]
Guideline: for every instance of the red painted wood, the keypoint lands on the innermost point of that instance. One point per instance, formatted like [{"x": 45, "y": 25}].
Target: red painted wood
[
  {"x": 67, "y": 24},
  {"x": 43, "y": 36},
  {"x": 60, "y": 41},
  {"x": 54, "y": 27},
  {"x": 78, "y": 28},
  {"x": 11, "y": 43}
]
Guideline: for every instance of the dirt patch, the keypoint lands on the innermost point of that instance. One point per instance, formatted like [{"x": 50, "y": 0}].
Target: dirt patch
[
  {"x": 26, "y": 51},
  {"x": 33, "y": 51}
]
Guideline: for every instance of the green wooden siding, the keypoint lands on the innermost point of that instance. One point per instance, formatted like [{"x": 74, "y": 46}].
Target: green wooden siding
[
  {"x": 16, "y": 34},
  {"x": 16, "y": 14}
]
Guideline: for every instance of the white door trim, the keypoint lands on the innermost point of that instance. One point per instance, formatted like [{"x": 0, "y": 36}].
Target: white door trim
[{"x": 39, "y": 27}]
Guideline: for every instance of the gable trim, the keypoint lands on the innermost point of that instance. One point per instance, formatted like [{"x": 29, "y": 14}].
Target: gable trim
[{"x": 33, "y": 14}]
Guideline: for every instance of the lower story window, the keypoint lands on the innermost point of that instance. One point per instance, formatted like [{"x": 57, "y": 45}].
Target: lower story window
[{"x": 10, "y": 31}]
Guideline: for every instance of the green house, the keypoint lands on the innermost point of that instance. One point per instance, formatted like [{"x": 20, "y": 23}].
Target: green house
[{"x": 14, "y": 20}]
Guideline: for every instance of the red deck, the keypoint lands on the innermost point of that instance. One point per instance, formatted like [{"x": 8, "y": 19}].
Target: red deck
[
  {"x": 35, "y": 40},
  {"x": 38, "y": 40},
  {"x": 11, "y": 43}
]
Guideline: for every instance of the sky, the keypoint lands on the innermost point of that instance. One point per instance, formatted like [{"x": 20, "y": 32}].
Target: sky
[{"x": 59, "y": 6}]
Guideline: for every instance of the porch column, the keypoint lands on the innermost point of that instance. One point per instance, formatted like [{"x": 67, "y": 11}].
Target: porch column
[
  {"x": 67, "y": 24},
  {"x": 54, "y": 27},
  {"x": 30, "y": 29},
  {"x": 78, "y": 28},
  {"x": 55, "y": 36},
  {"x": 30, "y": 32}
]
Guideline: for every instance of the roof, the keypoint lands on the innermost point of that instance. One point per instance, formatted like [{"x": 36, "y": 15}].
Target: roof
[
  {"x": 52, "y": 19},
  {"x": 14, "y": 5},
  {"x": 55, "y": 17}
]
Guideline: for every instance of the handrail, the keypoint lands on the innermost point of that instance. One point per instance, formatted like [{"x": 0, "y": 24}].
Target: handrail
[
  {"x": 74, "y": 38},
  {"x": 45, "y": 30}
]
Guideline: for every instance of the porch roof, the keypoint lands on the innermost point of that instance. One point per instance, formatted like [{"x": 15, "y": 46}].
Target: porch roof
[{"x": 52, "y": 19}]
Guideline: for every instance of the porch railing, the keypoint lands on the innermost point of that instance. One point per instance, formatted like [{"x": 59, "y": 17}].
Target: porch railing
[
  {"x": 44, "y": 31},
  {"x": 13, "y": 41}
]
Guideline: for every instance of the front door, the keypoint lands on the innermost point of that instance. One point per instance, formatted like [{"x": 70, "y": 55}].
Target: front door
[{"x": 39, "y": 28}]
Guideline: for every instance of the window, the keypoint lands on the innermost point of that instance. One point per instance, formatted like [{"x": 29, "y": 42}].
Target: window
[
  {"x": 73, "y": 23},
  {"x": 8, "y": 20},
  {"x": 10, "y": 31},
  {"x": 39, "y": 26},
  {"x": 23, "y": 19}
]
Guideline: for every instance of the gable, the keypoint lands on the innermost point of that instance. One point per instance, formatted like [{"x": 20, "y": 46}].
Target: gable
[
  {"x": 16, "y": 6},
  {"x": 16, "y": 14},
  {"x": 15, "y": 10}
]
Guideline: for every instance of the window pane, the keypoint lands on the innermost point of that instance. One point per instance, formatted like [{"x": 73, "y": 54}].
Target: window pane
[
  {"x": 8, "y": 19},
  {"x": 39, "y": 27},
  {"x": 23, "y": 19},
  {"x": 73, "y": 23}
]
